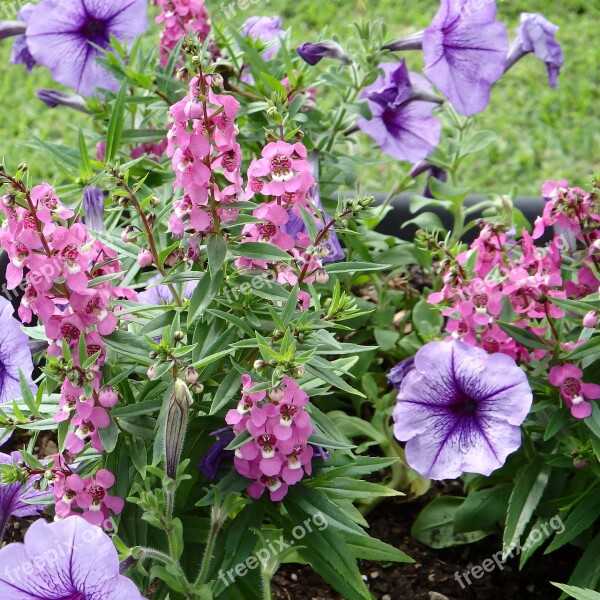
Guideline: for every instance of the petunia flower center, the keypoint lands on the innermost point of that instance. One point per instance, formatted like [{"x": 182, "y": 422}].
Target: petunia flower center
[
  {"x": 96, "y": 31},
  {"x": 463, "y": 406}
]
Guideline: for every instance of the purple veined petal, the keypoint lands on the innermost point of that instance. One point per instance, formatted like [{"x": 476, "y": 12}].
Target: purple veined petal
[
  {"x": 93, "y": 207},
  {"x": 465, "y": 52},
  {"x": 14, "y": 354},
  {"x": 459, "y": 410},
  {"x": 65, "y": 559}
]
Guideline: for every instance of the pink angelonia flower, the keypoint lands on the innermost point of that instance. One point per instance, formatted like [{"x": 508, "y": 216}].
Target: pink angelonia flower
[
  {"x": 88, "y": 428},
  {"x": 573, "y": 391},
  {"x": 96, "y": 502},
  {"x": 93, "y": 308}
]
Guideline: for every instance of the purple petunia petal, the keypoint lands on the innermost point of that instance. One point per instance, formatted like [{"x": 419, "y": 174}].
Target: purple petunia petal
[
  {"x": 465, "y": 52},
  {"x": 66, "y": 559},
  {"x": 460, "y": 410},
  {"x": 61, "y": 35}
]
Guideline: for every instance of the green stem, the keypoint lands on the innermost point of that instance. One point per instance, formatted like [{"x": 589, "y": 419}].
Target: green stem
[
  {"x": 208, "y": 553},
  {"x": 266, "y": 585}
]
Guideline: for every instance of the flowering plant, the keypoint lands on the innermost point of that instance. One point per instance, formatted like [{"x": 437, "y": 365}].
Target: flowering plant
[{"x": 215, "y": 313}]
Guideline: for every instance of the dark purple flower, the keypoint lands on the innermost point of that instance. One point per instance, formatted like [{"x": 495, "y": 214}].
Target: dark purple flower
[
  {"x": 14, "y": 354},
  {"x": 93, "y": 207},
  {"x": 315, "y": 53},
  {"x": 20, "y": 50},
  {"x": 267, "y": 30},
  {"x": 332, "y": 248},
  {"x": 16, "y": 500},
  {"x": 211, "y": 461},
  {"x": 12, "y": 28},
  {"x": 400, "y": 371},
  {"x": 536, "y": 34},
  {"x": 65, "y": 560},
  {"x": 402, "y": 123},
  {"x": 61, "y": 35},
  {"x": 155, "y": 295},
  {"x": 54, "y": 98},
  {"x": 432, "y": 172},
  {"x": 460, "y": 410},
  {"x": 465, "y": 52}
]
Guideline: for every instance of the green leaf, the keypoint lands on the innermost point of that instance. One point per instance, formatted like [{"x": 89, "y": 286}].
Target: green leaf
[
  {"x": 435, "y": 525},
  {"x": 28, "y": 397},
  {"x": 523, "y": 336},
  {"x": 482, "y": 509},
  {"x": 354, "y": 267},
  {"x": 589, "y": 348},
  {"x": 85, "y": 169},
  {"x": 109, "y": 436},
  {"x": 228, "y": 388},
  {"x": 530, "y": 484},
  {"x": 116, "y": 124},
  {"x": 369, "y": 548},
  {"x": 217, "y": 251},
  {"x": 587, "y": 571},
  {"x": 261, "y": 251},
  {"x": 577, "y": 593},
  {"x": 444, "y": 191}
]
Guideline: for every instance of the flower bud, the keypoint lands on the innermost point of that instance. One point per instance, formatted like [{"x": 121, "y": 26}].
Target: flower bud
[
  {"x": 191, "y": 375},
  {"x": 276, "y": 394},
  {"x": 298, "y": 372},
  {"x": 591, "y": 319},
  {"x": 321, "y": 276},
  {"x": 151, "y": 371},
  {"x": 259, "y": 364},
  {"x": 177, "y": 421},
  {"x": 108, "y": 396},
  {"x": 125, "y": 234},
  {"x": 144, "y": 258},
  {"x": 198, "y": 388},
  {"x": 178, "y": 336}
]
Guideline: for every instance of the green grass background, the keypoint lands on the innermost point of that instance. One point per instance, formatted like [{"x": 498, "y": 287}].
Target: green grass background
[{"x": 542, "y": 133}]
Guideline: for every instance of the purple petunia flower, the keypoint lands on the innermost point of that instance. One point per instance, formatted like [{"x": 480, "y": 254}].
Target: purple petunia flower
[
  {"x": 155, "y": 295},
  {"x": 400, "y": 371},
  {"x": 402, "y": 123},
  {"x": 211, "y": 461},
  {"x": 61, "y": 35},
  {"x": 14, "y": 354},
  {"x": 295, "y": 224},
  {"x": 433, "y": 172},
  {"x": 315, "y": 53},
  {"x": 68, "y": 559},
  {"x": 20, "y": 51},
  {"x": 460, "y": 410},
  {"x": 267, "y": 30},
  {"x": 93, "y": 207},
  {"x": 16, "y": 501},
  {"x": 465, "y": 52},
  {"x": 536, "y": 34}
]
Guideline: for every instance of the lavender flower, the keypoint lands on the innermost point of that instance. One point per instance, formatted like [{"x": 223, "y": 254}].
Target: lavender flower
[
  {"x": 460, "y": 410},
  {"x": 267, "y": 30},
  {"x": 315, "y": 53},
  {"x": 20, "y": 51},
  {"x": 68, "y": 559},
  {"x": 402, "y": 123},
  {"x": 54, "y": 98},
  {"x": 14, "y": 354},
  {"x": 465, "y": 52},
  {"x": 536, "y": 34},
  {"x": 61, "y": 35},
  {"x": 15, "y": 500},
  {"x": 93, "y": 207},
  {"x": 400, "y": 371},
  {"x": 295, "y": 225},
  {"x": 155, "y": 295},
  {"x": 211, "y": 461}
]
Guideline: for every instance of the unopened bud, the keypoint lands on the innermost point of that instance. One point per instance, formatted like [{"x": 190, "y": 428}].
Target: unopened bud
[
  {"x": 298, "y": 372},
  {"x": 125, "y": 234},
  {"x": 590, "y": 320},
  {"x": 321, "y": 276},
  {"x": 197, "y": 388},
  {"x": 178, "y": 336},
  {"x": 579, "y": 463},
  {"x": 23, "y": 167},
  {"x": 276, "y": 394},
  {"x": 177, "y": 421},
  {"x": 153, "y": 355},
  {"x": 145, "y": 257},
  {"x": 155, "y": 201},
  {"x": 151, "y": 371},
  {"x": 191, "y": 375},
  {"x": 259, "y": 364},
  {"x": 8, "y": 199}
]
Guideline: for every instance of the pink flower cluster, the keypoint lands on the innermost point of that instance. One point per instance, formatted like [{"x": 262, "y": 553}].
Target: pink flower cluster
[
  {"x": 180, "y": 18},
  {"x": 283, "y": 173},
  {"x": 61, "y": 259},
  {"x": 88, "y": 498},
  {"x": 202, "y": 143},
  {"x": 522, "y": 279},
  {"x": 278, "y": 454}
]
